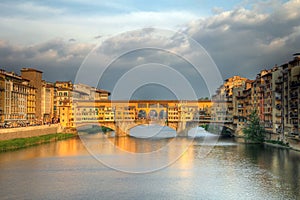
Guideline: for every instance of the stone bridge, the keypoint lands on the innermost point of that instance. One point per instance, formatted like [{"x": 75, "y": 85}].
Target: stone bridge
[{"x": 123, "y": 128}]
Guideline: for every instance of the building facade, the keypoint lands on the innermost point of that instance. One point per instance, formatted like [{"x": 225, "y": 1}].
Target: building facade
[
  {"x": 274, "y": 94},
  {"x": 17, "y": 100},
  {"x": 35, "y": 79}
]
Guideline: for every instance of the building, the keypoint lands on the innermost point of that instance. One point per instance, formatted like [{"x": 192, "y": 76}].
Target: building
[
  {"x": 129, "y": 111},
  {"x": 242, "y": 106},
  {"x": 222, "y": 110},
  {"x": 48, "y": 91},
  {"x": 17, "y": 102},
  {"x": 63, "y": 103},
  {"x": 288, "y": 86},
  {"x": 77, "y": 102},
  {"x": 278, "y": 100},
  {"x": 35, "y": 79},
  {"x": 274, "y": 94}
]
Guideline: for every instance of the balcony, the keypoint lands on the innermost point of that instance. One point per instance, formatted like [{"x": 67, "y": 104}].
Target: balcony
[
  {"x": 268, "y": 125},
  {"x": 267, "y": 112},
  {"x": 229, "y": 99},
  {"x": 294, "y": 84},
  {"x": 294, "y": 106},
  {"x": 278, "y": 115},
  {"x": 294, "y": 95},
  {"x": 294, "y": 115}
]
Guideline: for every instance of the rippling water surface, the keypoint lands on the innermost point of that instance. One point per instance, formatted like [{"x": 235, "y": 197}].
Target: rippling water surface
[{"x": 160, "y": 168}]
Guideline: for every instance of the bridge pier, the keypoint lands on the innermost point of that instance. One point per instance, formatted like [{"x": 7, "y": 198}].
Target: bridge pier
[
  {"x": 182, "y": 130},
  {"x": 183, "y": 133},
  {"x": 119, "y": 132}
]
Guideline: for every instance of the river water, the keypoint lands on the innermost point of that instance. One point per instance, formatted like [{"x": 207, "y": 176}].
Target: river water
[{"x": 98, "y": 167}]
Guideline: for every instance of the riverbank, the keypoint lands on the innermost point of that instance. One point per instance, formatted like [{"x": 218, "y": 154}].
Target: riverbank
[
  {"x": 19, "y": 143},
  {"x": 30, "y": 131},
  {"x": 292, "y": 143}
]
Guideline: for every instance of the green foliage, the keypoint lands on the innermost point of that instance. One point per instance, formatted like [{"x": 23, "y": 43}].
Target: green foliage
[
  {"x": 205, "y": 126},
  {"x": 254, "y": 132},
  {"x": 19, "y": 143},
  {"x": 97, "y": 129}
]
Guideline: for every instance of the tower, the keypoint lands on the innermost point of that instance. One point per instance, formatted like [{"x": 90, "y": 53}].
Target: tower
[{"x": 35, "y": 78}]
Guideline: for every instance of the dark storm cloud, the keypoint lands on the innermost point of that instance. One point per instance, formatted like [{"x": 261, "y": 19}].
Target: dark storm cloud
[
  {"x": 245, "y": 41},
  {"x": 58, "y": 60}
]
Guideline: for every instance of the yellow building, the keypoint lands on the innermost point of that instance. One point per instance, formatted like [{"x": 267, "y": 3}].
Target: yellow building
[
  {"x": 34, "y": 77},
  {"x": 87, "y": 111},
  {"x": 76, "y": 103},
  {"x": 223, "y": 108},
  {"x": 47, "y": 101},
  {"x": 242, "y": 106}
]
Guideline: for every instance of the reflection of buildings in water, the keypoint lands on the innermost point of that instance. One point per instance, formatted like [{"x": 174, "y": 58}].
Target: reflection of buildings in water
[
  {"x": 68, "y": 148},
  {"x": 124, "y": 144}
]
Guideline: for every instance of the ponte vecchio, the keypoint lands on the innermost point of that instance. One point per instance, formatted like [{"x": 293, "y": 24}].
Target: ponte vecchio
[{"x": 121, "y": 116}]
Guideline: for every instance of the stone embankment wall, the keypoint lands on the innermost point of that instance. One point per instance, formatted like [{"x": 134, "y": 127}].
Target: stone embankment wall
[
  {"x": 294, "y": 143},
  {"x": 30, "y": 131}
]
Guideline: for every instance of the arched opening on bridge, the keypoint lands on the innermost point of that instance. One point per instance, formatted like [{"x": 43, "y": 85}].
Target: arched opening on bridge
[
  {"x": 153, "y": 114},
  {"x": 142, "y": 114},
  {"x": 94, "y": 128},
  {"x": 162, "y": 114}
]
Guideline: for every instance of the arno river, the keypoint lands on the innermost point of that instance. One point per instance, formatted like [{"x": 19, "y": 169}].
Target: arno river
[{"x": 206, "y": 170}]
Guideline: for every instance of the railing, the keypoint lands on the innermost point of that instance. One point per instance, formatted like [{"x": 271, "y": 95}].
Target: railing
[
  {"x": 294, "y": 115},
  {"x": 266, "y": 112},
  {"x": 294, "y": 95},
  {"x": 294, "y": 84},
  {"x": 268, "y": 125},
  {"x": 294, "y": 105}
]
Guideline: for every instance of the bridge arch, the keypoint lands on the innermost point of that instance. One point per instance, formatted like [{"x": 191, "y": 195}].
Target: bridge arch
[
  {"x": 163, "y": 114},
  {"x": 142, "y": 114},
  {"x": 111, "y": 126},
  {"x": 153, "y": 114}
]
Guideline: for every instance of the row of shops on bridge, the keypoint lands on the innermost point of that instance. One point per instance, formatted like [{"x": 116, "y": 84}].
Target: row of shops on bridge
[{"x": 168, "y": 111}]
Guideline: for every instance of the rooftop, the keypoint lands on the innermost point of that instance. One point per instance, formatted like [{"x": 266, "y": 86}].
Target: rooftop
[{"x": 30, "y": 70}]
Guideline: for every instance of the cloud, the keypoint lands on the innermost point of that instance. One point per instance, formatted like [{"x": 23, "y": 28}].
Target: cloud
[
  {"x": 44, "y": 22},
  {"x": 57, "y": 58},
  {"x": 98, "y": 36},
  {"x": 243, "y": 41}
]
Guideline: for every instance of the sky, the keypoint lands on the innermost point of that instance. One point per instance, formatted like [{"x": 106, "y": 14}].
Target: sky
[{"x": 233, "y": 37}]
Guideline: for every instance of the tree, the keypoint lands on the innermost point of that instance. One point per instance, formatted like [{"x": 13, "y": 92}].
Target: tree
[{"x": 254, "y": 132}]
